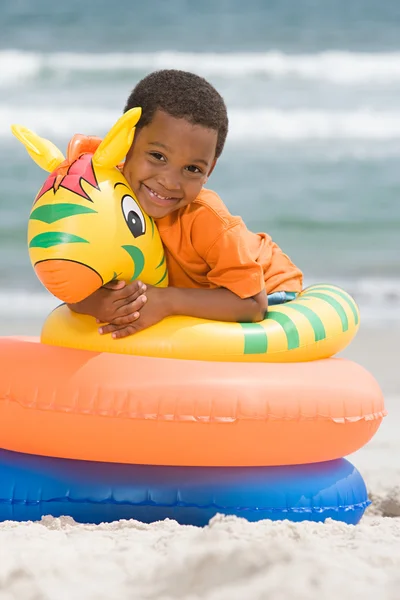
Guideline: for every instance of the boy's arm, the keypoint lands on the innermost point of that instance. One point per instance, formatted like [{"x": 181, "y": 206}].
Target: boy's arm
[{"x": 216, "y": 304}]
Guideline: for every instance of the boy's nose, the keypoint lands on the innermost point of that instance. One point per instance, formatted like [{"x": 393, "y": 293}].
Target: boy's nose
[
  {"x": 170, "y": 181},
  {"x": 67, "y": 280}
]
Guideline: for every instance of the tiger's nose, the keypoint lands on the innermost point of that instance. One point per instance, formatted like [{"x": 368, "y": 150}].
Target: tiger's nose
[{"x": 67, "y": 280}]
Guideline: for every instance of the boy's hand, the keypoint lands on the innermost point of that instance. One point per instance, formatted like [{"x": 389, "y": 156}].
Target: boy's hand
[
  {"x": 116, "y": 302},
  {"x": 153, "y": 310}
]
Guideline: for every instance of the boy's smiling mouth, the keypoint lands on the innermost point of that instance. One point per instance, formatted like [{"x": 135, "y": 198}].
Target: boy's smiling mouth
[{"x": 158, "y": 198}]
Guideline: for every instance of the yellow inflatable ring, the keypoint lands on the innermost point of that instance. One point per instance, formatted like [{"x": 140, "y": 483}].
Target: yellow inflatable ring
[{"x": 320, "y": 322}]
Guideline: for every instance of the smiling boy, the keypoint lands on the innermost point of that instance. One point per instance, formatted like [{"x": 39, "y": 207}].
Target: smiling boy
[{"x": 218, "y": 269}]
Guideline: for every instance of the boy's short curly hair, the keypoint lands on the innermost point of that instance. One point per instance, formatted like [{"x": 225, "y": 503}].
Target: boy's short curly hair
[{"x": 182, "y": 95}]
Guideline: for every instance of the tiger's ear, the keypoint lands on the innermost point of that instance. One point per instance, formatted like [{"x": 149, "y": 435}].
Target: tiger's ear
[
  {"x": 118, "y": 140},
  {"x": 42, "y": 151}
]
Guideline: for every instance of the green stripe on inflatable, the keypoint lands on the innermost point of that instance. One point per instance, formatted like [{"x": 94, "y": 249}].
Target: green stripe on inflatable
[
  {"x": 342, "y": 295},
  {"x": 162, "y": 278},
  {"x": 335, "y": 304},
  {"x": 255, "y": 338},
  {"x": 152, "y": 227},
  {"x": 50, "y": 213},
  {"x": 314, "y": 320},
  {"x": 289, "y": 327},
  {"x": 161, "y": 262},
  {"x": 55, "y": 238},
  {"x": 138, "y": 260}
]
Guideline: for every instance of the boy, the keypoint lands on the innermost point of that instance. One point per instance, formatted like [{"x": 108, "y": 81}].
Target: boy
[{"x": 218, "y": 269}]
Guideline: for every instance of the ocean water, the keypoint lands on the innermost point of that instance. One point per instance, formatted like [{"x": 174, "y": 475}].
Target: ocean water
[{"x": 313, "y": 93}]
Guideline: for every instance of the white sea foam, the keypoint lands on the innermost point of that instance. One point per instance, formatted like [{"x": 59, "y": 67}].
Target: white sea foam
[
  {"x": 306, "y": 124},
  {"x": 342, "y": 68},
  {"x": 245, "y": 125},
  {"x": 59, "y": 121}
]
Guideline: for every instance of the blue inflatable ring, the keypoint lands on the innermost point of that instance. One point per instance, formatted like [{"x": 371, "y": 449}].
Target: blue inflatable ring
[{"x": 91, "y": 492}]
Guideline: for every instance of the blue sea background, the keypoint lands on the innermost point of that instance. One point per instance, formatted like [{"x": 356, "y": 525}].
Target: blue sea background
[{"x": 313, "y": 92}]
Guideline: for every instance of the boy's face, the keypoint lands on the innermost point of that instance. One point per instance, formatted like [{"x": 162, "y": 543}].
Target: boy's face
[{"x": 169, "y": 162}]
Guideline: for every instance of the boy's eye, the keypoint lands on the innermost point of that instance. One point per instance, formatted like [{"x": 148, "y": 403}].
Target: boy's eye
[
  {"x": 157, "y": 155},
  {"x": 193, "y": 169}
]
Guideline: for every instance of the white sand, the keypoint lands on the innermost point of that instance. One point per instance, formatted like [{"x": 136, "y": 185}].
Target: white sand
[{"x": 230, "y": 559}]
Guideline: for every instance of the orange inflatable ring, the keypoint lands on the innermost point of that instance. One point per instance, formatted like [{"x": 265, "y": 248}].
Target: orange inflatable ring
[{"x": 80, "y": 404}]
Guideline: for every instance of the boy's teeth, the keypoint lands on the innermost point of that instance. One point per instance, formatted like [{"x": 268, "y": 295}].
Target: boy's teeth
[{"x": 161, "y": 197}]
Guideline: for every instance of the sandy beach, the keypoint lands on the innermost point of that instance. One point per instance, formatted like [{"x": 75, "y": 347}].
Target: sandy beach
[{"x": 59, "y": 559}]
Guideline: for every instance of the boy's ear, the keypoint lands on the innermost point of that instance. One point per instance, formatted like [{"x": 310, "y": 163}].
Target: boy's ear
[{"x": 118, "y": 140}]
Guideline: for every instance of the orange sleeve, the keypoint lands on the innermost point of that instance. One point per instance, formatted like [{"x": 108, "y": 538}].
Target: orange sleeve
[
  {"x": 232, "y": 266},
  {"x": 236, "y": 258},
  {"x": 280, "y": 274}
]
